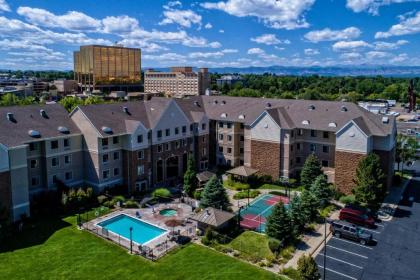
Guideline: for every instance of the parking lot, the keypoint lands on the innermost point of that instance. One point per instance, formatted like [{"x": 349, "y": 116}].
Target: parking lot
[{"x": 394, "y": 253}]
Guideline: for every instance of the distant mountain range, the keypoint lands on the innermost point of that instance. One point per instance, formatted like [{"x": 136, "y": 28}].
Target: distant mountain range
[{"x": 368, "y": 70}]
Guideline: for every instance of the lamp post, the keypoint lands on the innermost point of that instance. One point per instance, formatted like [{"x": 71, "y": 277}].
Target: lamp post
[
  {"x": 325, "y": 246},
  {"x": 131, "y": 240},
  {"x": 248, "y": 196}
]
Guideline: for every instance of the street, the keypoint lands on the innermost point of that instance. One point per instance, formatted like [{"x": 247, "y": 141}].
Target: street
[{"x": 395, "y": 253}]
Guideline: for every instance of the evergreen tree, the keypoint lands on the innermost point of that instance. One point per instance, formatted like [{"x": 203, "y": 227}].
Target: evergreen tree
[
  {"x": 369, "y": 190},
  {"x": 310, "y": 206},
  {"x": 214, "y": 195},
  {"x": 322, "y": 190},
  {"x": 297, "y": 214},
  {"x": 279, "y": 224},
  {"x": 311, "y": 169},
  {"x": 308, "y": 269},
  {"x": 190, "y": 179}
]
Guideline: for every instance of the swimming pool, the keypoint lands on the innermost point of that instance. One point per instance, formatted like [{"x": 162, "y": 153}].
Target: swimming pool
[{"x": 142, "y": 232}]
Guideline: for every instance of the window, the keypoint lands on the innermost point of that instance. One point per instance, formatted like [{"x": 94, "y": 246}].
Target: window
[
  {"x": 242, "y": 138},
  {"x": 220, "y": 136},
  {"x": 54, "y": 144},
  {"x": 66, "y": 143},
  {"x": 313, "y": 133},
  {"x": 34, "y": 181},
  {"x": 291, "y": 147},
  {"x": 104, "y": 142},
  {"x": 300, "y": 132},
  {"x": 191, "y": 127},
  {"x": 325, "y": 134},
  {"x": 242, "y": 126},
  {"x": 241, "y": 150},
  {"x": 68, "y": 176},
  {"x": 184, "y": 129},
  {"x": 167, "y": 132},
  {"x": 229, "y": 125},
  {"x": 203, "y": 139},
  {"x": 105, "y": 158},
  {"x": 325, "y": 149},
  {"x": 67, "y": 159},
  {"x": 221, "y": 124},
  {"x": 229, "y": 150},
  {"x": 32, "y": 147},
  {"x": 203, "y": 126},
  {"x": 241, "y": 162},
  {"x": 54, "y": 179},
  {"x": 159, "y": 148},
  {"x": 325, "y": 163},
  {"x": 54, "y": 162},
  {"x": 140, "y": 170},
  {"x": 313, "y": 147},
  {"x": 140, "y": 155},
  {"x": 116, "y": 172},
  {"x": 298, "y": 146},
  {"x": 184, "y": 142},
  {"x": 140, "y": 138},
  {"x": 116, "y": 155},
  {"x": 229, "y": 162},
  {"x": 229, "y": 138},
  {"x": 115, "y": 140},
  {"x": 176, "y": 130},
  {"x": 220, "y": 149},
  {"x": 177, "y": 144},
  {"x": 298, "y": 159},
  {"x": 204, "y": 152},
  {"x": 34, "y": 163},
  {"x": 167, "y": 146},
  {"x": 292, "y": 133},
  {"x": 105, "y": 174},
  {"x": 159, "y": 134}
]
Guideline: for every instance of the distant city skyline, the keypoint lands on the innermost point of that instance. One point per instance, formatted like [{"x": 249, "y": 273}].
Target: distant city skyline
[{"x": 42, "y": 35}]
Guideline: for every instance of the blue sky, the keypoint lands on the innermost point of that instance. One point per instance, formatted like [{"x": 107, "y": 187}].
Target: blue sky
[{"x": 42, "y": 34}]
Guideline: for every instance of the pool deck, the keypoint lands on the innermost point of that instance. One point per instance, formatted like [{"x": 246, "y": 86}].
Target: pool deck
[{"x": 156, "y": 247}]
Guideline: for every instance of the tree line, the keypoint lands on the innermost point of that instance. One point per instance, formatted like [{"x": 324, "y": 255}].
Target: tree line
[{"x": 319, "y": 87}]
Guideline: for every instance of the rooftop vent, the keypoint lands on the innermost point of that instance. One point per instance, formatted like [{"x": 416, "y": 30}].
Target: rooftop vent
[
  {"x": 223, "y": 102},
  {"x": 343, "y": 109},
  {"x": 43, "y": 114},
  {"x": 311, "y": 107},
  {"x": 223, "y": 115},
  {"x": 332, "y": 124},
  {"x": 215, "y": 102},
  {"x": 34, "y": 133},
  {"x": 196, "y": 104},
  {"x": 125, "y": 110},
  {"x": 241, "y": 117},
  {"x": 63, "y": 129},
  {"x": 11, "y": 117},
  {"x": 268, "y": 105},
  {"x": 305, "y": 122},
  {"x": 385, "y": 119},
  {"x": 107, "y": 130}
]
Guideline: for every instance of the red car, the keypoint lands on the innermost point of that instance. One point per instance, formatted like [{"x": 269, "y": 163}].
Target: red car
[{"x": 357, "y": 217}]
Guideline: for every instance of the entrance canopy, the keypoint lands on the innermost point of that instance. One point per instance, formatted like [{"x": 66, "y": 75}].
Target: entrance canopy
[{"x": 242, "y": 171}]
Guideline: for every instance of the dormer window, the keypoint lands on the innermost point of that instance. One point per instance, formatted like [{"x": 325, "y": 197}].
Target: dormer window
[
  {"x": 311, "y": 107},
  {"x": 343, "y": 109},
  {"x": 223, "y": 115},
  {"x": 241, "y": 117},
  {"x": 305, "y": 122}
]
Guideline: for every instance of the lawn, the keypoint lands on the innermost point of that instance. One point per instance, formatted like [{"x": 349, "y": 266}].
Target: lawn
[
  {"x": 252, "y": 245},
  {"x": 56, "y": 249},
  {"x": 280, "y": 188}
]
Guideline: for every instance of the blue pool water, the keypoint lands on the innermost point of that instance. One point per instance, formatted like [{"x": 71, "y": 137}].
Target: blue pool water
[{"x": 142, "y": 232}]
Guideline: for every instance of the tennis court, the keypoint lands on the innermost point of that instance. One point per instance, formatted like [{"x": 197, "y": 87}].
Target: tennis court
[{"x": 255, "y": 215}]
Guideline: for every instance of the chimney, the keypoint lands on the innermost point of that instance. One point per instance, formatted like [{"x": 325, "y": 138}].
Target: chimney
[
  {"x": 43, "y": 114},
  {"x": 125, "y": 110},
  {"x": 10, "y": 117}
]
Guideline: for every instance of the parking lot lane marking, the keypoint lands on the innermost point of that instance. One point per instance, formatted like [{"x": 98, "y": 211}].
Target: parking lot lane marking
[
  {"x": 354, "y": 243},
  {"x": 378, "y": 225},
  {"x": 359, "y": 267},
  {"x": 339, "y": 273},
  {"x": 339, "y": 249}
]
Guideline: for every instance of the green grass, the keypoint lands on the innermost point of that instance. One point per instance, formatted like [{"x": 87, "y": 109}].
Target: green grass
[
  {"x": 235, "y": 185},
  {"x": 53, "y": 248},
  {"x": 280, "y": 188},
  {"x": 325, "y": 212},
  {"x": 252, "y": 246},
  {"x": 244, "y": 194}
]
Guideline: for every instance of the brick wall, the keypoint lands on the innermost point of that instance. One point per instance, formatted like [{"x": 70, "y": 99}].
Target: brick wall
[
  {"x": 265, "y": 157},
  {"x": 345, "y": 169},
  {"x": 387, "y": 163},
  {"x": 202, "y": 143},
  {"x": 5, "y": 191}
]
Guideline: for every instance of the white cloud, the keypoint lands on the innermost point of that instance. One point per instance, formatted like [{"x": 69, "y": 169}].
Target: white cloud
[
  {"x": 410, "y": 25},
  {"x": 328, "y": 34},
  {"x": 280, "y": 14},
  {"x": 4, "y": 7},
  {"x": 256, "y": 51},
  {"x": 350, "y": 45},
  {"x": 206, "y": 54},
  {"x": 208, "y": 26},
  {"x": 371, "y": 6},
  {"x": 146, "y": 47},
  {"x": 311, "y": 52},
  {"x": 350, "y": 56},
  {"x": 174, "y": 4},
  {"x": 221, "y": 31},
  {"x": 118, "y": 24},
  {"x": 399, "y": 58},
  {"x": 269, "y": 39},
  {"x": 377, "y": 55},
  {"x": 279, "y": 48},
  {"x": 185, "y": 18},
  {"x": 229, "y": 51},
  {"x": 389, "y": 46},
  {"x": 72, "y": 20}
]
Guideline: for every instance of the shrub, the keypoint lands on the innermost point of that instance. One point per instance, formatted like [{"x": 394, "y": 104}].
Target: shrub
[
  {"x": 347, "y": 199},
  {"x": 291, "y": 273},
  {"x": 102, "y": 198},
  {"x": 118, "y": 198},
  {"x": 244, "y": 194},
  {"x": 209, "y": 234},
  {"x": 274, "y": 245},
  {"x": 108, "y": 203},
  {"x": 161, "y": 193},
  {"x": 280, "y": 193},
  {"x": 205, "y": 241},
  {"x": 197, "y": 195},
  {"x": 131, "y": 204},
  {"x": 307, "y": 268}
]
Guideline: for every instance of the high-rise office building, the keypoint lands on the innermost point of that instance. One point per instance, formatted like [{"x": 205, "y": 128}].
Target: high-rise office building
[{"x": 107, "y": 67}]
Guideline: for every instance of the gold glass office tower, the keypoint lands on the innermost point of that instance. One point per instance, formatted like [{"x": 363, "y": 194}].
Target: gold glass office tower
[{"x": 107, "y": 66}]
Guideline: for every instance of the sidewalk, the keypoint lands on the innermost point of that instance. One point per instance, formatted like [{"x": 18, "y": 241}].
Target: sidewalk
[{"x": 390, "y": 204}]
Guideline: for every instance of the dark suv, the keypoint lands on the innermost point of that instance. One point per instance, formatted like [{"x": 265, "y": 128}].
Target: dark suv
[{"x": 350, "y": 231}]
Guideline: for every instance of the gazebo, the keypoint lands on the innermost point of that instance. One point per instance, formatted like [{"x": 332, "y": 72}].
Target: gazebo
[
  {"x": 204, "y": 177},
  {"x": 242, "y": 172},
  {"x": 212, "y": 217}
]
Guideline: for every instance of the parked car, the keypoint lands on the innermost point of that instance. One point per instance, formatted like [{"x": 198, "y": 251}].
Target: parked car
[
  {"x": 365, "y": 210},
  {"x": 342, "y": 229},
  {"x": 356, "y": 216}
]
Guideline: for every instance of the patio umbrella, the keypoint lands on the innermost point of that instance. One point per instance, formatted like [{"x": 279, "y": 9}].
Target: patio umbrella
[{"x": 173, "y": 223}]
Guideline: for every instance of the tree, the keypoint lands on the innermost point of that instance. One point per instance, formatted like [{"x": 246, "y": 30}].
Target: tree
[
  {"x": 307, "y": 268},
  {"x": 322, "y": 190},
  {"x": 309, "y": 206},
  {"x": 369, "y": 190},
  {"x": 190, "y": 179},
  {"x": 279, "y": 224},
  {"x": 214, "y": 195},
  {"x": 406, "y": 149},
  {"x": 297, "y": 214},
  {"x": 311, "y": 169}
]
